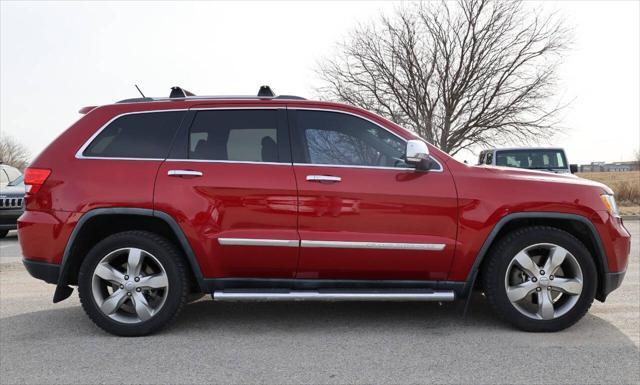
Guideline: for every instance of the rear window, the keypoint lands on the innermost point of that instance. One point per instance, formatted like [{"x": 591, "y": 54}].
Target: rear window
[
  {"x": 144, "y": 135},
  {"x": 532, "y": 159}
]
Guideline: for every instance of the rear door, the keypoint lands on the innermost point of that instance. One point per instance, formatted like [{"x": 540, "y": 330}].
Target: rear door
[
  {"x": 229, "y": 182},
  {"x": 364, "y": 213}
]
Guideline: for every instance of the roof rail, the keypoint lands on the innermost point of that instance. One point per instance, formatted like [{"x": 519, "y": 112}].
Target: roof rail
[{"x": 265, "y": 92}]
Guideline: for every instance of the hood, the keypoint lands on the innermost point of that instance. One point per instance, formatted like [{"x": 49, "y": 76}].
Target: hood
[
  {"x": 12, "y": 191},
  {"x": 544, "y": 176}
]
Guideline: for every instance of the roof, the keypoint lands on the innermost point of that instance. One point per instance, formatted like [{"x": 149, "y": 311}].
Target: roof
[{"x": 522, "y": 148}]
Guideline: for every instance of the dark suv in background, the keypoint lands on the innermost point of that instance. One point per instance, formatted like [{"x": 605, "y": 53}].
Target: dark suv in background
[{"x": 11, "y": 198}]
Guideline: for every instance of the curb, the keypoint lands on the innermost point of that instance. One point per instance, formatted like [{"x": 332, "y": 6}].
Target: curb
[{"x": 630, "y": 217}]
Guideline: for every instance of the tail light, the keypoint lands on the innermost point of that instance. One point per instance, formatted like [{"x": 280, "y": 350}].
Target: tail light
[{"x": 34, "y": 178}]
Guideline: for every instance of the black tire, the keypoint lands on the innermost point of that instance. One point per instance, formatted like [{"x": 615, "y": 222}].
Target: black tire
[
  {"x": 495, "y": 270},
  {"x": 172, "y": 262},
  {"x": 3, "y": 233}
]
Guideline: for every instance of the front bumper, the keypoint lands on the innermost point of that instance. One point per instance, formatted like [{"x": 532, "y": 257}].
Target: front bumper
[
  {"x": 47, "y": 272},
  {"x": 9, "y": 218}
]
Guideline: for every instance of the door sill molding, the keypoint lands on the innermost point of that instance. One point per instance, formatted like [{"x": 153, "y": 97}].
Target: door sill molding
[{"x": 333, "y": 295}]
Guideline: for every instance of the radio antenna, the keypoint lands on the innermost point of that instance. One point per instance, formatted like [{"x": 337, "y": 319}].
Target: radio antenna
[{"x": 138, "y": 88}]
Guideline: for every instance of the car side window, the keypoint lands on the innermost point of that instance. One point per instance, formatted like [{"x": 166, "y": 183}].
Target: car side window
[
  {"x": 334, "y": 138},
  {"x": 489, "y": 158},
  {"x": 4, "y": 179},
  {"x": 12, "y": 173},
  {"x": 143, "y": 135},
  {"x": 235, "y": 135}
]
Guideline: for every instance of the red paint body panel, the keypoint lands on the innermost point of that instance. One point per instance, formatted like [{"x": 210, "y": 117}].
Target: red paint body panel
[
  {"x": 376, "y": 205},
  {"x": 487, "y": 194},
  {"x": 44, "y": 234},
  {"x": 458, "y": 208},
  {"x": 234, "y": 200}
]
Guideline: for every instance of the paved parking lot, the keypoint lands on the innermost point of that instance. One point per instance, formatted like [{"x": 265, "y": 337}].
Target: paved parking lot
[{"x": 312, "y": 342}]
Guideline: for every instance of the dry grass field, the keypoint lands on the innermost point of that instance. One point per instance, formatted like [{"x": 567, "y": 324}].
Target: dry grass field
[{"x": 626, "y": 186}]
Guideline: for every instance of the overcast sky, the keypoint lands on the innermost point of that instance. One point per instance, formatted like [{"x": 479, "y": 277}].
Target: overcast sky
[{"x": 58, "y": 57}]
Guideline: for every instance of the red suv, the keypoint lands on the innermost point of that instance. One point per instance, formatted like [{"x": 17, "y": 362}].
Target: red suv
[{"x": 146, "y": 203}]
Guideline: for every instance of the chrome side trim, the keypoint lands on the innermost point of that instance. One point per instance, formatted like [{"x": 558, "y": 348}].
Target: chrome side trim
[
  {"x": 258, "y": 242},
  {"x": 374, "y": 245},
  {"x": 88, "y": 142},
  {"x": 348, "y": 166},
  {"x": 229, "y": 161},
  {"x": 239, "y": 108},
  {"x": 184, "y": 173},
  {"x": 223, "y": 295},
  {"x": 331, "y": 244},
  {"x": 323, "y": 178}
]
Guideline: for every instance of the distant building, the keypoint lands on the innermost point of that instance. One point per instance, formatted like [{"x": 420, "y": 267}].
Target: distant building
[{"x": 610, "y": 167}]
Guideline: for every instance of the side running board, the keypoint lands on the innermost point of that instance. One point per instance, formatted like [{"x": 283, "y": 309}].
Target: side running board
[{"x": 331, "y": 295}]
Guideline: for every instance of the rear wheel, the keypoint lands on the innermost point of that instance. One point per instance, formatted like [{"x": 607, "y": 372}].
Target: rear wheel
[
  {"x": 540, "y": 279},
  {"x": 3, "y": 233},
  {"x": 133, "y": 283}
]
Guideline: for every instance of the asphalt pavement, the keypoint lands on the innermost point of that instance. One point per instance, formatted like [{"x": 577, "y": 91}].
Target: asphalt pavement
[{"x": 319, "y": 343}]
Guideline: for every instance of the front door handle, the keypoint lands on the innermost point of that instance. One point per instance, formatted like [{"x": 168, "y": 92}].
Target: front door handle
[
  {"x": 184, "y": 173},
  {"x": 324, "y": 178}
]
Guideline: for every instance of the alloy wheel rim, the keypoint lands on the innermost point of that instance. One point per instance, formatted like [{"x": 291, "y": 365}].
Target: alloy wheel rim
[
  {"x": 543, "y": 281},
  {"x": 129, "y": 285}
]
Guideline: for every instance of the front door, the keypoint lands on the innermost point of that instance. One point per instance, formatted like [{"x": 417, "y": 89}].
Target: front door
[
  {"x": 363, "y": 212},
  {"x": 229, "y": 183}
]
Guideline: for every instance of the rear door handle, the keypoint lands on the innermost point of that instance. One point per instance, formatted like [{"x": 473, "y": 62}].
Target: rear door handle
[
  {"x": 324, "y": 178},
  {"x": 184, "y": 173}
]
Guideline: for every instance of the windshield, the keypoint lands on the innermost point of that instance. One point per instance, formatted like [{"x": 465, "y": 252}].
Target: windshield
[
  {"x": 16, "y": 182},
  {"x": 547, "y": 159}
]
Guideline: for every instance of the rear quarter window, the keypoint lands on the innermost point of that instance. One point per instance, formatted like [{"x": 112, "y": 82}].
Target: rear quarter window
[{"x": 143, "y": 135}]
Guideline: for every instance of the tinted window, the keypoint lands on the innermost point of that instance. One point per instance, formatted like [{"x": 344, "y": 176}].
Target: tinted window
[
  {"x": 341, "y": 139},
  {"x": 532, "y": 159},
  {"x": 146, "y": 135},
  {"x": 240, "y": 135},
  {"x": 12, "y": 173},
  {"x": 17, "y": 182},
  {"x": 3, "y": 178}
]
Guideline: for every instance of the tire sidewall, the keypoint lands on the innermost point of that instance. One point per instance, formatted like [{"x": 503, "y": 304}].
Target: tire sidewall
[{"x": 167, "y": 258}]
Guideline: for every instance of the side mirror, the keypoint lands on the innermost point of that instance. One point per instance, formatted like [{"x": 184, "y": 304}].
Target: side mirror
[
  {"x": 417, "y": 154},
  {"x": 573, "y": 168}
]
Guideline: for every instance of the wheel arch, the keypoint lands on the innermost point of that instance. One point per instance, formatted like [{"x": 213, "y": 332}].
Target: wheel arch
[
  {"x": 96, "y": 224},
  {"x": 577, "y": 225}
]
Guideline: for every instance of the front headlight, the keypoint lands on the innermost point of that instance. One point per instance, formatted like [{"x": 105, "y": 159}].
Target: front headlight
[{"x": 610, "y": 203}]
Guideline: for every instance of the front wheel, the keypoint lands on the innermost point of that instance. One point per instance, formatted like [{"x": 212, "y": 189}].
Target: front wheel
[
  {"x": 540, "y": 279},
  {"x": 133, "y": 283}
]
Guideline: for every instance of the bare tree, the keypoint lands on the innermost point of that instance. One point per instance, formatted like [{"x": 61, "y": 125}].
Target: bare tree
[
  {"x": 475, "y": 72},
  {"x": 13, "y": 153}
]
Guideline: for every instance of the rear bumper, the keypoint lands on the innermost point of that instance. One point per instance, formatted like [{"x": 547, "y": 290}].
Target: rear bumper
[{"x": 47, "y": 272}]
